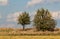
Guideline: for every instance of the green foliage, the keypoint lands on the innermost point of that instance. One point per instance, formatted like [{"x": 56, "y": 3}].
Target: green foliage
[
  {"x": 43, "y": 20},
  {"x": 24, "y": 19}
]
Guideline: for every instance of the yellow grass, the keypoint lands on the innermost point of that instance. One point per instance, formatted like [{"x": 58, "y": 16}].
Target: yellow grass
[{"x": 29, "y": 37}]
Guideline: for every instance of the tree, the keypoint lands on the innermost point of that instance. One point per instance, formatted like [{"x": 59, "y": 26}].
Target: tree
[
  {"x": 24, "y": 19},
  {"x": 43, "y": 20}
]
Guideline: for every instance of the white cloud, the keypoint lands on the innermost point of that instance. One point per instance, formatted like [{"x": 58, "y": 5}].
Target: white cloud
[
  {"x": 32, "y": 14},
  {"x": 55, "y": 14},
  {"x": 3, "y": 2},
  {"x": 34, "y": 2},
  {"x": 13, "y": 16},
  {"x": 7, "y": 25}
]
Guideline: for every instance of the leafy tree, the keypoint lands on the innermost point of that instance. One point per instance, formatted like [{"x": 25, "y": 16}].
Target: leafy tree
[
  {"x": 24, "y": 19},
  {"x": 43, "y": 20}
]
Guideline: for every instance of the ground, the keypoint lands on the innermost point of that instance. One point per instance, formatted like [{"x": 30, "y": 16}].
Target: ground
[
  {"x": 29, "y": 37},
  {"x": 9, "y": 33}
]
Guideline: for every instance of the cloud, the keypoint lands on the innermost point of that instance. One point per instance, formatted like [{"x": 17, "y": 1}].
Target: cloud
[
  {"x": 32, "y": 14},
  {"x": 13, "y": 16},
  {"x": 7, "y": 26},
  {"x": 34, "y": 2},
  {"x": 3, "y": 2},
  {"x": 55, "y": 15}
]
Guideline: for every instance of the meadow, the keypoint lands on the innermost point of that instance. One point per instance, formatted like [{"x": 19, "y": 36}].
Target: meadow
[
  {"x": 9, "y": 33},
  {"x": 27, "y": 32},
  {"x": 29, "y": 37}
]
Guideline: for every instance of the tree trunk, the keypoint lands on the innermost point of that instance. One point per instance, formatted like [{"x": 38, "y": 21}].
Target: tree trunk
[{"x": 23, "y": 27}]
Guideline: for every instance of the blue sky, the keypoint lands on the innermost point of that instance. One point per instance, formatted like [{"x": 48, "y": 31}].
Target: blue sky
[{"x": 10, "y": 9}]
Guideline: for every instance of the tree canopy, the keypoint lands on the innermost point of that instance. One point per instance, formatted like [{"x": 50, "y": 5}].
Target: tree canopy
[
  {"x": 24, "y": 19},
  {"x": 43, "y": 20}
]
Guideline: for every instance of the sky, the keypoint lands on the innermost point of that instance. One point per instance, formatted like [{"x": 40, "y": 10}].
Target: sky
[{"x": 10, "y": 10}]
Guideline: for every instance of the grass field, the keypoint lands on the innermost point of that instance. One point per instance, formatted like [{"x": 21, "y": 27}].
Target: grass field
[
  {"x": 29, "y": 34},
  {"x": 29, "y": 37}
]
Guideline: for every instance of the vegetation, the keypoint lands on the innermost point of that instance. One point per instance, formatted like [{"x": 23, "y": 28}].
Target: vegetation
[
  {"x": 29, "y": 37},
  {"x": 43, "y": 20},
  {"x": 24, "y": 19},
  {"x": 29, "y": 32}
]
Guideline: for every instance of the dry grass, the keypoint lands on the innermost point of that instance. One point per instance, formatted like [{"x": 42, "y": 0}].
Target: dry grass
[
  {"x": 29, "y": 37},
  {"x": 29, "y": 31}
]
